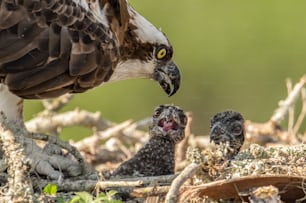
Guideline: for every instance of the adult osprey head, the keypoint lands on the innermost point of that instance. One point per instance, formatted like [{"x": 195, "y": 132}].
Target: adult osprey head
[{"x": 52, "y": 47}]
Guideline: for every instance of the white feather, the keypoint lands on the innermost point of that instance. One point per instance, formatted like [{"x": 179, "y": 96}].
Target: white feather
[
  {"x": 99, "y": 13},
  {"x": 82, "y": 3},
  {"x": 133, "y": 68},
  {"x": 147, "y": 32}
]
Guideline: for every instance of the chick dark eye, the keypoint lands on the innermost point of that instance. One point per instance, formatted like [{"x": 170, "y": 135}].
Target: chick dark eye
[
  {"x": 237, "y": 129},
  {"x": 157, "y": 112},
  {"x": 183, "y": 120}
]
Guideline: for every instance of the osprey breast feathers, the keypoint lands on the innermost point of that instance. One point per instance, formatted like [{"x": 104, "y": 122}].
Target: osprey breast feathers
[{"x": 52, "y": 47}]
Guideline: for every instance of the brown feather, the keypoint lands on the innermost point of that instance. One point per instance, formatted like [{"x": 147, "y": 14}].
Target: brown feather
[
  {"x": 54, "y": 40},
  {"x": 27, "y": 79},
  {"x": 17, "y": 46},
  {"x": 49, "y": 94},
  {"x": 32, "y": 59},
  {"x": 49, "y": 47},
  {"x": 81, "y": 64},
  {"x": 9, "y": 17},
  {"x": 37, "y": 56},
  {"x": 56, "y": 83}
]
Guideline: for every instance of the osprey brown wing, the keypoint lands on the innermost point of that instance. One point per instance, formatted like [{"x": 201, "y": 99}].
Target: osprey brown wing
[
  {"x": 51, "y": 47},
  {"x": 48, "y": 48}
]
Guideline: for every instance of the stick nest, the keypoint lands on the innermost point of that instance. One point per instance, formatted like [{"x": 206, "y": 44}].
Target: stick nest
[{"x": 271, "y": 165}]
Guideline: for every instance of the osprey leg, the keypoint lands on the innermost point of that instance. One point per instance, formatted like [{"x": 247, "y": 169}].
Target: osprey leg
[
  {"x": 49, "y": 160},
  {"x": 11, "y": 105}
]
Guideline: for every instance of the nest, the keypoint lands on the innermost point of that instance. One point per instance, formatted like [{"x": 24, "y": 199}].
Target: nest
[{"x": 271, "y": 166}]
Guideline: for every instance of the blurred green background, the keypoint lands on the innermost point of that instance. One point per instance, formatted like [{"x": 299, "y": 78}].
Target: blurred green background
[{"x": 232, "y": 55}]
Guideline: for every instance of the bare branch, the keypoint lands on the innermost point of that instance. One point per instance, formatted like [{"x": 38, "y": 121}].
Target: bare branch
[
  {"x": 187, "y": 173},
  {"x": 302, "y": 114},
  {"x": 164, "y": 179},
  {"x": 89, "y": 185},
  {"x": 110, "y": 184},
  {"x": 291, "y": 109},
  {"x": 183, "y": 145},
  {"x": 53, "y": 122},
  {"x": 264, "y": 132},
  {"x": 285, "y": 105},
  {"x": 149, "y": 191},
  {"x": 67, "y": 185},
  {"x": 54, "y": 105},
  {"x": 90, "y": 143}
]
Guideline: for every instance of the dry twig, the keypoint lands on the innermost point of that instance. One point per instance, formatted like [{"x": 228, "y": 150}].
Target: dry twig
[
  {"x": 89, "y": 185},
  {"x": 149, "y": 191},
  {"x": 51, "y": 123},
  {"x": 285, "y": 105},
  {"x": 291, "y": 109},
  {"x": 54, "y": 105},
  {"x": 164, "y": 179},
  {"x": 263, "y": 132},
  {"x": 89, "y": 144},
  {"x": 187, "y": 173},
  {"x": 301, "y": 117},
  {"x": 110, "y": 184},
  {"x": 183, "y": 145}
]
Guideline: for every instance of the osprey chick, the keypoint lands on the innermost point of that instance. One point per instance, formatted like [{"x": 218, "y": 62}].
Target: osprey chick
[
  {"x": 227, "y": 127},
  {"x": 157, "y": 157}
]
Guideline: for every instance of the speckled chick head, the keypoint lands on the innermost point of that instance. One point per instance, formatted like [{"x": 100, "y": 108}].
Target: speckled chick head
[
  {"x": 169, "y": 122},
  {"x": 228, "y": 126}
]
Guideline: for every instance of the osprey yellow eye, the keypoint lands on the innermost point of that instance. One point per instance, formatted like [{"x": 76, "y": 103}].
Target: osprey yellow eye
[{"x": 161, "y": 53}]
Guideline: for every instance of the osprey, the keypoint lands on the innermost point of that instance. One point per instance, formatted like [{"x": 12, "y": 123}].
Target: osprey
[{"x": 52, "y": 47}]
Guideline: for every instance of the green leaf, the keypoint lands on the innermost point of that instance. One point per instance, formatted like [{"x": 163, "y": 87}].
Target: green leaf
[
  {"x": 101, "y": 195},
  {"x": 111, "y": 193},
  {"x": 107, "y": 198},
  {"x": 60, "y": 200},
  {"x": 50, "y": 189},
  {"x": 84, "y": 197},
  {"x": 76, "y": 199}
]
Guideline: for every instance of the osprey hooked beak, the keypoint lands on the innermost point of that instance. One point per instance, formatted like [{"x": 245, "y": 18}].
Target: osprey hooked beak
[{"x": 169, "y": 77}]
